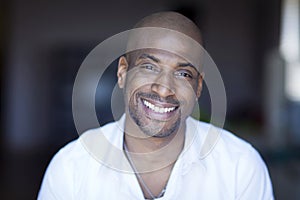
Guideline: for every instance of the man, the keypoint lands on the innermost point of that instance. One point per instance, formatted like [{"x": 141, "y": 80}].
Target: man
[{"x": 161, "y": 146}]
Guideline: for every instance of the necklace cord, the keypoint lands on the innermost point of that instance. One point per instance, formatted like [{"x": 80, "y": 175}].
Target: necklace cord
[{"x": 139, "y": 176}]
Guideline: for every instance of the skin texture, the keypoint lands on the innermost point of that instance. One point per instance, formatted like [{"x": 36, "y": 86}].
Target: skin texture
[
  {"x": 168, "y": 82},
  {"x": 173, "y": 21}
]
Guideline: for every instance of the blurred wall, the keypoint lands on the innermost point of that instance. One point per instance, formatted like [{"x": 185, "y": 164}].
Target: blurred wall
[
  {"x": 37, "y": 29},
  {"x": 44, "y": 42},
  {"x": 237, "y": 35}
]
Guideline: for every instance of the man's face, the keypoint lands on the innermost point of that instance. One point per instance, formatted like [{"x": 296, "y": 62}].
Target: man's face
[{"x": 160, "y": 90}]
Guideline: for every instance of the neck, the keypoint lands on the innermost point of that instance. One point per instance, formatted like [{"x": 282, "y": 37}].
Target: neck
[{"x": 149, "y": 153}]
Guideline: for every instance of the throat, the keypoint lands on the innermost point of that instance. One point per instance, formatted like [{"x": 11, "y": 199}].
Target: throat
[
  {"x": 152, "y": 159},
  {"x": 153, "y": 183}
]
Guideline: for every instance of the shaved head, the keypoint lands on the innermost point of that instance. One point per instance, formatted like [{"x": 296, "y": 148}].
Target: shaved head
[
  {"x": 173, "y": 21},
  {"x": 166, "y": 31}
]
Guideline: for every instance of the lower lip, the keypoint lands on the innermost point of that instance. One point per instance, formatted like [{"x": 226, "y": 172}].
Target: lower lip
[{"x": 156, "y": 115}]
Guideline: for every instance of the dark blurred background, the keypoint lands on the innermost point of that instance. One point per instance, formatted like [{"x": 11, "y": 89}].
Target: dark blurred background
[{"x": 254, "y": 43}]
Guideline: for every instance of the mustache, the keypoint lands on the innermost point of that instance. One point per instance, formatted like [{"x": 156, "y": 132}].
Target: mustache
[{"x": 156, "y": 97}]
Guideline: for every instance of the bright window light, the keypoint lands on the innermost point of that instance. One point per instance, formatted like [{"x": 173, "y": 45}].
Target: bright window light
[{"x": 289, "y": 48}]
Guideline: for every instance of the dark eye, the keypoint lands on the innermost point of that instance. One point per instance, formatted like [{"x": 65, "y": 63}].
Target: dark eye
[
  {"x": 149, "y": 67},
  {"x": 184, "y": 74}
]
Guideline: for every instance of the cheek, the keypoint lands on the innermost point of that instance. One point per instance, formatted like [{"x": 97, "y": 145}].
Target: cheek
[
  {"x": 187, "y": 95},
  {"x": 187, "y": 89},
  {"x": 188, "y": 98},
  {"x": 135, "y": 81},
  {"x": 135, "y": 85}
]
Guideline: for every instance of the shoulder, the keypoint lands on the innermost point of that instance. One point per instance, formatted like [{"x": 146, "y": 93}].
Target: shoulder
[
  {"x": 221, "y": 146},
  {"x": 59, "y": 173},
  {"x": 67, "y": 159},
  {"x": 76, "y": 153},
  {"x": 240, "y": 159},
  {"x": 68, "y": 168},
  {"x": 221, "y": 140}
]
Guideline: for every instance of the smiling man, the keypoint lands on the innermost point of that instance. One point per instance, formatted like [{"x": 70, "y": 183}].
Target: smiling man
[{"x": 156, "y": 148}]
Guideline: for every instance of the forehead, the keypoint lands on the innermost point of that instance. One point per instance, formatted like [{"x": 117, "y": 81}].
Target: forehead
[
  {"x": 167, "y": 40},
  {"x": 156, "y": 55}
]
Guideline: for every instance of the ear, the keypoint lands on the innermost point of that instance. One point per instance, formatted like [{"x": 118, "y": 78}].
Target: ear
[
  {"x": 122, "y": 71},
  {"x": 199, "y": 86}
]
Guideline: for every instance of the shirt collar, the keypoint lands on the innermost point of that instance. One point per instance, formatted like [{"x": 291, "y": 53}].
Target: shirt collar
[{"x": 200, "y": 139}]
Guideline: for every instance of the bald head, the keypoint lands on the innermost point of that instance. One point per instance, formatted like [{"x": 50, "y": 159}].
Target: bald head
[
  {"x": 166, "y": 31},
  {"x": 173, "y": 21}
]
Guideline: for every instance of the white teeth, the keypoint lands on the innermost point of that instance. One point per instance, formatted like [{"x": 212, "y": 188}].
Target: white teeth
[{"x": 157, "y": 109}]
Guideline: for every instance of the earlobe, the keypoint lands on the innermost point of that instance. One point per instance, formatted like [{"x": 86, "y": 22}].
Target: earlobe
[{"x": 122, "y": 71}]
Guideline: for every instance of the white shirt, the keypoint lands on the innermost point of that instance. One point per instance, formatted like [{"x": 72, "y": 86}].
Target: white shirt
[{"x": 214, "y": 165}]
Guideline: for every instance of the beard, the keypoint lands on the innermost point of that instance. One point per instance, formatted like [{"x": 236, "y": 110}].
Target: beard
[{"x": 152, "y": 127}]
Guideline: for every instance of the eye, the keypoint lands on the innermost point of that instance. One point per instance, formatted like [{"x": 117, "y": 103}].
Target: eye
[
  {"x": 184, "y": 74},
  {"x": 149, "y": 67}
]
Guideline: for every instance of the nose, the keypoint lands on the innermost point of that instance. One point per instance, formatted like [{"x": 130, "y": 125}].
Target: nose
[{"x": 164, "y": 85}]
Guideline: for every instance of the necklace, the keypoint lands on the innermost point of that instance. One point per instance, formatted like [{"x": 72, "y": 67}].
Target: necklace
[{"x": 139, "y": 176}]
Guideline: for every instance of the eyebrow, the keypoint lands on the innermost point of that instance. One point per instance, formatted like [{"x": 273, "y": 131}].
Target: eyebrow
[
  {"x": 155, "y": 59},
  {"x": 188, "y": 65},
  {"x": 144, "y": 56}
]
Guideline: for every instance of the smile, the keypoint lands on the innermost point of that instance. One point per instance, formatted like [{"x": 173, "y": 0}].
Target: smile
[{"x": 158, "y": 109}]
